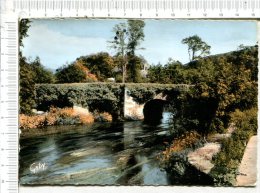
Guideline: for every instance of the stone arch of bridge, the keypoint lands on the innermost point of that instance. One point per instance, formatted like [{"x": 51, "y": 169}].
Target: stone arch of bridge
[
  {"x": 153, "y": 111},
  {"x": 150, "y": 111}
]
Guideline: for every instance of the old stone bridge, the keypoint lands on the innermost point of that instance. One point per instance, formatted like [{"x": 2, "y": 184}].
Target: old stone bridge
[{"x": 123, "y": 101}]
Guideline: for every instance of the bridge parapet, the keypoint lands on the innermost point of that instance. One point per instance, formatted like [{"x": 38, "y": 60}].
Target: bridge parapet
[{"x": 102, "y": 97}]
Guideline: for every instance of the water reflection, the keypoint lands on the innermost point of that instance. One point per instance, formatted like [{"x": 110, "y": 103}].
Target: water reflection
[{"x": 112, "y": 153}]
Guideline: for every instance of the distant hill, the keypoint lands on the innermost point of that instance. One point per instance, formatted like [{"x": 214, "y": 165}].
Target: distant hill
[{"x": 232, "y": 56}]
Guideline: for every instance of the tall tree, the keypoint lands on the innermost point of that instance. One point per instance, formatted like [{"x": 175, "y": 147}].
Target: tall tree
[
  {"x": 196, "y": 47},
  {"x": 126, "y": 41},
  {"x": 135, "y": 63},
  {"x": 136, "y": 35},
  {"x": 24, "y": 25},
  {"x": 26, "y": 83},
  {"x": 120, "y": 45}
]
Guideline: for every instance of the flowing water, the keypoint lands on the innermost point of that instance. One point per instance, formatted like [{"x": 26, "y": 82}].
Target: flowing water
[{"x": 105, "y": 154}]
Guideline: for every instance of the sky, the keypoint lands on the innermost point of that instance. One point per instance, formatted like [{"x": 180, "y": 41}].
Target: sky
[{"x": 60, "y": 41}]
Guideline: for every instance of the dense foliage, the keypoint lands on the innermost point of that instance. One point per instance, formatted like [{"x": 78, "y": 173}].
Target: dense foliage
[
  {"x": 224, "y": 91},
  {"x": 41, "y": 74},
  {"x": 73, "y": 73},
  {"x": 30, "y": 74},
  {"x": 100, "y": 64},
  {"x": 143, "y": 92},
  {"x": 24, "y": 25},
  {"x": 100, "y": 67},
  {"x": 26, "y": 86},
  {"x": 26, "y": 83},
  {"x": 227, "y": 161},
  {"x": 101, "y": 97},
  {"x": 172, "y": 72},
  {"x": 221, "y": 84},
  {"x": 175, "y": 160}
]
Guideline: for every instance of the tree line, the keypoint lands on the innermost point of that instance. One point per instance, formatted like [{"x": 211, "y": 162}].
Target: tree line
[
  {"x": 229, "y": 78},
  {"x": 124, "y": 66}
]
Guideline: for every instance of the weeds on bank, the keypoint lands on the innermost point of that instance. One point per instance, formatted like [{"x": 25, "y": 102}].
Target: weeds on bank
[
  {"x": 64, "y": 116},
  {"x": 228, "y": 159},
  {"x": 102, "y": 117},
  {"x": 31, "y": 122},
  {"x": 174, "y": 159},
  {"x": 185, "y": 141}
]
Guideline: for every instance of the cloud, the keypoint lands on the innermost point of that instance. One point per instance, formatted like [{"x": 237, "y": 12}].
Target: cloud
[
  {"x": 57, "y": 42},
  {"x": 55, "y": 48}
]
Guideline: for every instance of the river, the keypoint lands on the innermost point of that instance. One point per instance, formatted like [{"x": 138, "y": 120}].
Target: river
[{"x": 106, "y": 154}]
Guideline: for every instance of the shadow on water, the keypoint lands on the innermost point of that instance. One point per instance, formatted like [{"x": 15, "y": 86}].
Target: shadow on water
[{"x": 131, "y": 169}]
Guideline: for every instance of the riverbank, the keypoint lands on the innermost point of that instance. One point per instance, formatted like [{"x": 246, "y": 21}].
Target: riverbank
[
  {"x": 37, "y": 124},
  {"x": 217, "y": 156},
  {"x": 52, "y": 130},
  {"x": 201, "y": 158}
]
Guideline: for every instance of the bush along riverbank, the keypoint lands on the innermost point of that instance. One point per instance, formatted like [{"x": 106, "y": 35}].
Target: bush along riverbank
[
  {"x": 62, "y": 116},
  {"x": 228, "y": 159},
  {"x": 224, "y": 94},
  {"x": 175, "y": 159}
]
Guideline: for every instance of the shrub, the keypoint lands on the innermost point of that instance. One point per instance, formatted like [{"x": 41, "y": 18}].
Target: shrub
[
  {"x": 228, "y": 159},
  {"x": 103, "y": 117},
  {"x": 31, "y": 122},
  {"x": 245, "y": 120},
  {"x": 185, "y": 141},
  {"x": 55, "y": 116},
  {"x": 50, "y": 119},
  {"x": 86, "y": 119},
  {"x": 181, "y": 172}
]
